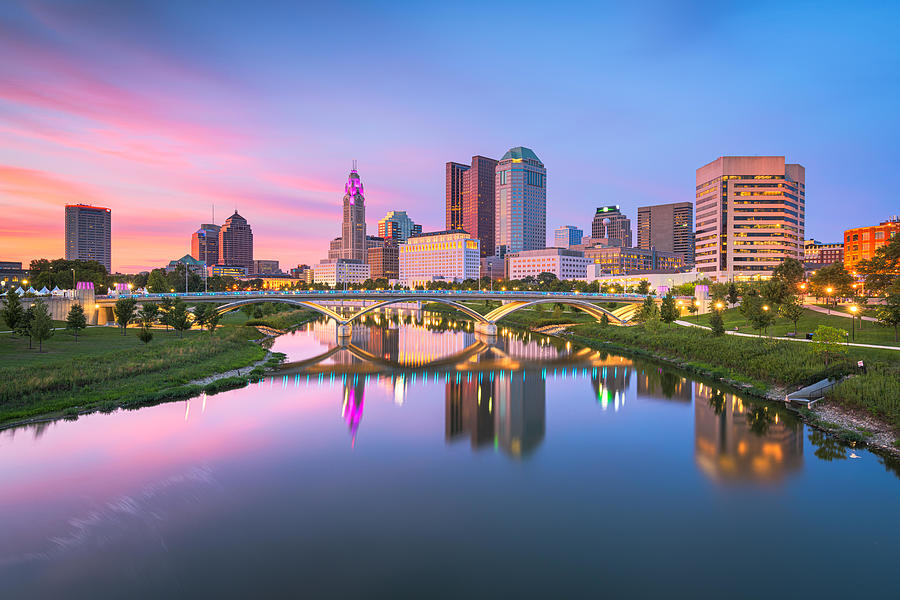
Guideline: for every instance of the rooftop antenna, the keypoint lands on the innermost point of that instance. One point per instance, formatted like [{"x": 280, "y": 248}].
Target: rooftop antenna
[
  {"x": 354, "y": 164},
  {"x": 214, "y": 213}
]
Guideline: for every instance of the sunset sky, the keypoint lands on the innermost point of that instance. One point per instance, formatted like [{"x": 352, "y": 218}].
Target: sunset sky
[{"x": 159, "y": 110}]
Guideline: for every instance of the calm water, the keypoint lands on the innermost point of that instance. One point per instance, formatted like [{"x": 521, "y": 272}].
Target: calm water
[{"x": 427, "y": 463}]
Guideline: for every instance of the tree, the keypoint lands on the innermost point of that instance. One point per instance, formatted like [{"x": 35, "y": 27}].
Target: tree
[
  {"x": 41, "y": 326},
  {"x": 58, "y": 272},
  {"x": 13, "y": 311},
  {"x": 148, "y": 314},
  {"x": 757, "y": 312},
  {"x": 179, "y": 318},
  {"x": 828, "y": 342},
  {"x": 157, "y": 283},
  {"x": 145, "y": 335},
  {"x": 889, "y": 313},
  {"x": 75, "y": 320},
  {"x": 732, "y": 294},
  {"x": 604, "y": 320},
  {"x": 124, "y": 311},
  {"x": 835, "y": 277},
  {"x": 648, "y": 311},
  {"x": 212, "y": 317},
  {"x": 668, "y": 312},
  {"x": 776, "y": 292},
  {"x": 165, "y": 308},
  {"x": 200, "y": 314},
  {"x": 23, "y": 325},
  {"x": 643, "y": 287},
  {"x": 716, "y": 323},
  {"x": 790, "y": 272},
  {"x": 792, "y": 310},
  {"x": 880, "y": 271}
]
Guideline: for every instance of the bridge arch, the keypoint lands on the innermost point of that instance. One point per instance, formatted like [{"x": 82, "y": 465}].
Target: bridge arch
[
  {"x": 592, "y": 309},
  {"x": 301, "y": 303},
  {"x": 478, "y": 317}
]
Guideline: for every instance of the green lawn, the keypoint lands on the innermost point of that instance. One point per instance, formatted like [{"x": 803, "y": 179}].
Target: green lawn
[
  {"x": 106, "y": 369},
  {"x": 870, "y": 333}
]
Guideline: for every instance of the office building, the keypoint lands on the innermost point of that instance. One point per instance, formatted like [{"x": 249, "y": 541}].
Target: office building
[
  {"x": 11, "y": 275},
  {"x": 89, "y": 234},
  {"x": 373, "y": 242},
  {"x": 520, "y": 202},
  {"x": 609, "y": 223},
  {"x": 750, "y": 216},
  {"x": 565, "y": 264},
  {"x": 205, "y": 244},
  {"x": 334, "y": 248},
  {"x": 236, "y": 242},
  {"x": 397, "y": 226},
  {"x": 189, "y": 262},
  {"x": 479, "y": 191},
  {"x": 616, "y": 260},
  {"x": 227, "y": 270},
  {"x": 567, "y": 236},
  {"x": 340, "y": 272},
  {"x": 862, "y": 242},
  {"x": 454, "y": 194},
  {"x": 493, "y": 267},
  {"x": 667, "y": 227},
  {"x": 384, "y": 261},
  {"x": 817, "y": 253},
  {"x": 265, "y": 267},
  {"x": 353, "y": 225},
  {"x": 442, "y": 255}
]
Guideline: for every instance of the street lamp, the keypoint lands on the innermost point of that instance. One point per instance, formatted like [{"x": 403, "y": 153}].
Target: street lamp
[
  {"x": 828, "y": 291},
  {"x": 765, "y": 307},
  {"x": 853, "y": 310},
  {"x": 719, "y": 306}
]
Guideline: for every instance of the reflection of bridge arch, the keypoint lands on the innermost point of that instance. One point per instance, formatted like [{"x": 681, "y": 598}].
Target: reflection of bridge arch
[
  {"x": 364, "y": 355},
  {"x": 592, "y": 309}
]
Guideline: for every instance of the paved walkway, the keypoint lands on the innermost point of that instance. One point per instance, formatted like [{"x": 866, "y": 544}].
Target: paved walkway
[
  {"x": 786, "y": 339},
  {"x": 836, "y": 313}
]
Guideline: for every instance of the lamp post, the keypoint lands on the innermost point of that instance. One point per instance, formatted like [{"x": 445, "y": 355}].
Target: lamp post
[
  {"x": 853, "y": 310},
  {"x": 828, "y": 291}
]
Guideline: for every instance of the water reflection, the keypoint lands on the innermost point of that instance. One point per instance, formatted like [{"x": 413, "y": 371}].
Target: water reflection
[
  {"x": 508, "y": 413},
  {"x": 735, "y": 441}
]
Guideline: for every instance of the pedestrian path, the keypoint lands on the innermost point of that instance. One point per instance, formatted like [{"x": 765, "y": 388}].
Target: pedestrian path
[
  {"x": 836, "y": 313},
  {"x": 786, "y": 339}
]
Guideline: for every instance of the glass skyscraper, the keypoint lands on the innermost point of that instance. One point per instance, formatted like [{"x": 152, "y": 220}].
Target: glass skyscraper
[{"x": 521, "y": 202}]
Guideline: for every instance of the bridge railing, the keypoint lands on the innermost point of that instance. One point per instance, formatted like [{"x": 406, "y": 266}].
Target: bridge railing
[{"x": 376, "y": 293}]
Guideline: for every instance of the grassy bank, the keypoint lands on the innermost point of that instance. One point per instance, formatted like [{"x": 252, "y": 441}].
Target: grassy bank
[
  {"x": 870, "y": 333},
  {"x": 760, "y": 363},
  {"x": 105, "y": 369}
]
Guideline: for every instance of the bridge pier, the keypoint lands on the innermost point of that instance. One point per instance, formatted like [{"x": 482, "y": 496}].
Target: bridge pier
[
  {"x": 344, "y": 333},
  {"x": 484, "y": 328}
]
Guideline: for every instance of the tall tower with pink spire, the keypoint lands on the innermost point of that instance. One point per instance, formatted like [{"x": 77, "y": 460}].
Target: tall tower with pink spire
[{"x": 353, "y": 225}]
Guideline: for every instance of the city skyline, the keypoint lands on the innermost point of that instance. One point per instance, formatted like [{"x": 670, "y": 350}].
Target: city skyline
[{"x": 200, "y": 124}]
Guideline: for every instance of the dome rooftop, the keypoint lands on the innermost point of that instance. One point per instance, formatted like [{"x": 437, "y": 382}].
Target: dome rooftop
[{"x": 519, "y": 153}]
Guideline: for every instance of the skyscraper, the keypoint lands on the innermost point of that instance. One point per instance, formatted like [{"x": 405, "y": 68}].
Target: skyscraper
[
  {"x": 479, "y": 183},
  {"x": 454, "y": 191},
  {"x": 353, "y": 225},
  {"x": 667, "y": 227},
  {"x": 205, "y": 244},
  {"x": 89, "y": 234},
  {"x": 520, "y": 202},
  {"x": 396, "y": 225},
  {"x": 610, "y": 223},
  {"x": 751, "y": 215},
  {"x": 567, "y": 235},
  {"x": 236, "y": 242}
]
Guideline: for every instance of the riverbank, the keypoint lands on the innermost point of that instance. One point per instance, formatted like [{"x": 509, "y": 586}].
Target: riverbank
[
  {"x": 111, "y": 371},
  {"x": 862, "y": 410}
]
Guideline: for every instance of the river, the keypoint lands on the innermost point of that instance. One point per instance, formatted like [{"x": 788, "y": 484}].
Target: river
[{"x": 422, "y": 461}]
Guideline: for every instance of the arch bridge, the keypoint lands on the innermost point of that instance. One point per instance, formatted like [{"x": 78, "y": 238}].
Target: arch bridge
[{"x": 373, "y": 300}]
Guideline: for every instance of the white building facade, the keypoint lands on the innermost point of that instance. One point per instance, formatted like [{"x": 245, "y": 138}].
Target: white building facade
[
  {"x": 444, "y": 255},
  {"x": 339, "y": 272},
  {"x": 565, "y": 264}
]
